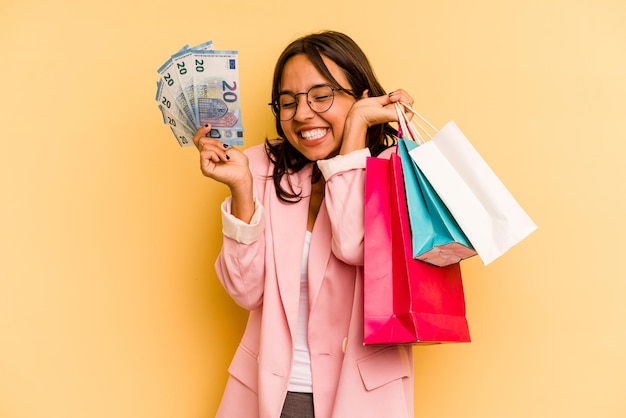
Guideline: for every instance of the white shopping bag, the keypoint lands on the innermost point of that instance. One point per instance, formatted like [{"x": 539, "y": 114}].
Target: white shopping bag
[{"x": 485, "y": 210}]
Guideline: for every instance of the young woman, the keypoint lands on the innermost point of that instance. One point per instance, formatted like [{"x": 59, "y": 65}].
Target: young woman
[{"x": 292, "y": 250}]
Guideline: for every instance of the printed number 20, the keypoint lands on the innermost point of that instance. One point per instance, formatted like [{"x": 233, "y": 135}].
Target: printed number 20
[{"x": 229, "y": 96}]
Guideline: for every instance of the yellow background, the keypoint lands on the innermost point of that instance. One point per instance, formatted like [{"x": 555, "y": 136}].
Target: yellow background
[{"x": 109, "y": 306}]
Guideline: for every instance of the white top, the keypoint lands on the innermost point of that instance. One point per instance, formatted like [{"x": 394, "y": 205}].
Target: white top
[{"x": 301, "y": 380}]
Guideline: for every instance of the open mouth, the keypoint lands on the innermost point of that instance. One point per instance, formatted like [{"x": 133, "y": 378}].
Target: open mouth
[{"x": 313, "y": 134}]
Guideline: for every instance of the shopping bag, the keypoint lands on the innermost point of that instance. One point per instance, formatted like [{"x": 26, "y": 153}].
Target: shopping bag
[
  {"x": 436, "y": 237},
  {"x": 484, "y": 208},
  {"x": 405, "y": 300}
]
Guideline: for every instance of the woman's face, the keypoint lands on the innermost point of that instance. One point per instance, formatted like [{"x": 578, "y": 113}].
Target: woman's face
[{"x": 315, "y": 135}]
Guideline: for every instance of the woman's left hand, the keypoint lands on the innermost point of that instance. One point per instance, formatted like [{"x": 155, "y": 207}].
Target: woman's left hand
[{"x": 370, "y": 111}]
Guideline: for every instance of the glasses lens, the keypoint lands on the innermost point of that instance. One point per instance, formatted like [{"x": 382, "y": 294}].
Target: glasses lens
[
  {"x": 321, "y": 98},
  {"x": 287, "y": 104}
]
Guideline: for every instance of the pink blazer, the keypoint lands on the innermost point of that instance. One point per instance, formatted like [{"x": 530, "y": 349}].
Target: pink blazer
[{"x": 259, "y": 266}]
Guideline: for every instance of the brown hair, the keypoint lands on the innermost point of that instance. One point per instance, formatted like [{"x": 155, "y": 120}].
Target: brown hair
[{"x": 342, "y": 50}]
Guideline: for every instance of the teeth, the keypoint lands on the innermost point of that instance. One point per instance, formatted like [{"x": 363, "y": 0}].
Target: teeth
[{"x": 314, "y": 133}]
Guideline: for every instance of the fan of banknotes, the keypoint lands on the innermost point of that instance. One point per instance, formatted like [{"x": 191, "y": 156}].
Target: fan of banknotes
[{"x": 197, "y": 86}]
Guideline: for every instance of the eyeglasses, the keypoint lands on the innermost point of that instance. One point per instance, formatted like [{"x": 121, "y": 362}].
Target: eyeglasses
[{"x": 319, "y": 98}]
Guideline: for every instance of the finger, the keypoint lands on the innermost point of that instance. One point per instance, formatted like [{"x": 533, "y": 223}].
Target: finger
[
  {"x": 400, "y": 96},
  {"x": 201, "y": 133},
  {"x": 214, "y": 155},
  {"x": 214, "y": 146},
  {"x": 210, "y": 144},
  {"x": 395, "y": 95},
  {"x": 205, "y": 142}
]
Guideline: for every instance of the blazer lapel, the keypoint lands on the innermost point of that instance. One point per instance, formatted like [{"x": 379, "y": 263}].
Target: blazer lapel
[
  {"x": 288, "y": 226},
  {"x": 319, "y": 254}
]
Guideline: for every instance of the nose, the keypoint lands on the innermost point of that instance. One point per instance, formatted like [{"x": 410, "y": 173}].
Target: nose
[{"x": 303, "y": 110}]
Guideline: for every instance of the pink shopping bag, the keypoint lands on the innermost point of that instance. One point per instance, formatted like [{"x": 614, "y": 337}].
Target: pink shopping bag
[{"x": 405, "y": 300}]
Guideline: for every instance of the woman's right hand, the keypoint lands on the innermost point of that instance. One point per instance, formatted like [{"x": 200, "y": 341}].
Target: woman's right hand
[
  {"x": 228, "y": 166},
  {"x": 221, "y": 162}
]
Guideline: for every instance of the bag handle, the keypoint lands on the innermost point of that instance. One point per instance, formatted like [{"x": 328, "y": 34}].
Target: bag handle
[
  {"x": 412, "y": 127},
  {"x": 404, "y": 131}
]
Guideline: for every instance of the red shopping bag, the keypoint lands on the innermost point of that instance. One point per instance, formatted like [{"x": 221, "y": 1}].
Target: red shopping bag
[{"x": 405, "y": 300}]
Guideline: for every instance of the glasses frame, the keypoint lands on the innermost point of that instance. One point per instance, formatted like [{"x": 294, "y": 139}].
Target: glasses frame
[{"x": 276, "y": 106}]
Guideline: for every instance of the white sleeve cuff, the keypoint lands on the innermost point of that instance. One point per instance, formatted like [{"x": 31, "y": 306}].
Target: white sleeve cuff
[
  {"x": 237, "y": 229},
  {"x": 350, "y": 161}
]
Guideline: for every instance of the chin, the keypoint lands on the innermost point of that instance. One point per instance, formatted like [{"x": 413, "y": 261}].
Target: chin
[{"x": 315, "y": 154}]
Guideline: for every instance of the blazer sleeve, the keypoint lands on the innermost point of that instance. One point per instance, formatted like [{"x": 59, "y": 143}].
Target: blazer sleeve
[
  {"x": 344, "y": 200},
  {"x": 240, "y": 265}
]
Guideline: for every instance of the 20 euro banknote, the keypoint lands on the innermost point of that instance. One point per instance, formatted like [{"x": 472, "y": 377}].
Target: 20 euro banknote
[
  {"x": 217, "y": 94},
  {"x": 200, "y": 86}
]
